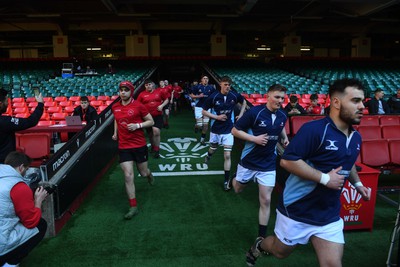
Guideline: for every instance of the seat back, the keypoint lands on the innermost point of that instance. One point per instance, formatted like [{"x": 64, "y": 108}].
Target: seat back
[
  {"x": 35, "y": 145},
  {"x": 394, "y": 151},
  {"x": 389, "y": 120},
  {"x": 375, "y": 153},
  {"x": 391, "y": 131},
  {"x": 370, "y": 132},
  {"x": 297, "y": 121},
  {"x": 369, "y": 120}
]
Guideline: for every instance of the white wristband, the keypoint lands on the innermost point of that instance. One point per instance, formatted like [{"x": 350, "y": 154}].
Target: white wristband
[
  {"x": 325, "y": 178},
  {"x": 358, "y": 184}
]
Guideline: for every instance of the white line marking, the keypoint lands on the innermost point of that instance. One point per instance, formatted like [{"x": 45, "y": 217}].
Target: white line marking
[{"x": 187, "y": 173}]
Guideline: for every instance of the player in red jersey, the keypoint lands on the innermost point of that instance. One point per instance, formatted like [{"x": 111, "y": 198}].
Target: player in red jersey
[
  {"x": 154, "y": 100},
  {"x": 167, "y": 89},
  {"x": 177, "y": 91},
  {"x": 130, "y": 119}
]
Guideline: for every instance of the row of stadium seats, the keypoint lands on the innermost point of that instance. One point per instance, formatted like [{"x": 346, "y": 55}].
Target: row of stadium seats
[
  {"x": 383, "y": 153},
  {"x": 381, "y": 143},
  {"x": 376, "y": 132}
]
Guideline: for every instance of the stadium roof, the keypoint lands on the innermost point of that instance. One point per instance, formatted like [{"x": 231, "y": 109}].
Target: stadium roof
[{"x": 247, "y": 23}]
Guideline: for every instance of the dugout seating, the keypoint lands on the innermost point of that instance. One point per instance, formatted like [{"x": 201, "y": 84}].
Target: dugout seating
[
  {"x": 35, "y": 145},
  {"x": 375, "y": 153}
]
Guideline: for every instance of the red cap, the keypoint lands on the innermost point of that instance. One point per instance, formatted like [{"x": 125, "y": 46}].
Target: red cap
[{"x": 128, "y": 85}]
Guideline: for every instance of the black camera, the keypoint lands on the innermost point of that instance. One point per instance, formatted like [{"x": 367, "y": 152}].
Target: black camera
[{"x": 34, "y": 179}]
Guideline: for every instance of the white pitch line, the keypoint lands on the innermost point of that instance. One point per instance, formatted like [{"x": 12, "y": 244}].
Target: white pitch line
[{"x": 187, "y": 173}]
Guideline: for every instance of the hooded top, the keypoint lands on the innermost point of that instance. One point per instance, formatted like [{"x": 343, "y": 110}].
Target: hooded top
[{"x": 12, "y": 232}]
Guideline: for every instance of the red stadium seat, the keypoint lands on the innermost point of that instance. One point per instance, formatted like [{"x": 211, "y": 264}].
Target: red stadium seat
[
  {"x": 391, "y": 132},
  {"x": 50, "y": 104},
  {"x": 45, "y": 123},
  {"x": 394, "y": 151},
  {"x": 255, "y": 96},
  {"x": 58, "y": 116},
  {"x": 101, "y": 108},
  {"x": 69, "y": 109},
  {"x": 74, "y": 98},
  {"x": 35, "y": 145},
  {"x": 48, "y": 99},
  {"x": 375, "y": 153},
  {"x": 113, "y": 97},
  {"x": 22, "y": 115},
  {"x": 96, "y": 103},
  {"x": 30, "y": 99},
  {"x": 20, "y": 110},
  {"x": 261, "y": 101},
  {"x": 18, "y": 100},
  {"x": 54, "y": 109},
  {"x": 60, "y": 98},
  {"x": 297, "y": 121},
  {"x": 389, "y": 120},
  {"x": 370, "y": 132},
  {"x": 109, "y": 102},
  {"x": 45, "y": 116},
  {"x": 32, "y": 104},
  {"x": 19, "y": 105},
  {"x": 64, "y": 104},
  {"x": 370, "y": 120},
  {"x": 103, "y": 98}
]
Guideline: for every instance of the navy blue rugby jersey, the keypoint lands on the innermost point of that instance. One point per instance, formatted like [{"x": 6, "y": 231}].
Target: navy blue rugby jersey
[
  {"x": 324, "y": 147},
  {"x": 222, "y": 104},
  {"x": 207, "y": 90},
  {"x": 256, "y": 121}
]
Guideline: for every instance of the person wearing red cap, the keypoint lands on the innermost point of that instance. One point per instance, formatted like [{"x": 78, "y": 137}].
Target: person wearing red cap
[
  {"x": 154, "y": 100},
  {"x": 130, "y": 119}
]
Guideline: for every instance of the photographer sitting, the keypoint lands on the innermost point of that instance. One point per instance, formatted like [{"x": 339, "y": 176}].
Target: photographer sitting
[{"x": 22, "y": 226}]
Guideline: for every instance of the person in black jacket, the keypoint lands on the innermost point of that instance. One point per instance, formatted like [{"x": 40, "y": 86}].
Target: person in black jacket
[
  {"x": 9, "y": 124},
  {"x": 378, "y": 106},
  {"x": 85, "y": 110},
  {"x": 394, "y": 103},
  {"x": 293, "y": 107}
]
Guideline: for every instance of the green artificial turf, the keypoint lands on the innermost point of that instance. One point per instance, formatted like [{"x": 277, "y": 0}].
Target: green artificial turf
[{"x": 186, "y": 220}]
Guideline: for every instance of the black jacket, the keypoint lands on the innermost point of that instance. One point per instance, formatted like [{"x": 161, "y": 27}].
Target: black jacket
[
  {"x": 9, "y": 125},
  {"x": 394, "y": 104},
  {"x": 90, "y": 115},
  {"x": 373, "y": 106}
]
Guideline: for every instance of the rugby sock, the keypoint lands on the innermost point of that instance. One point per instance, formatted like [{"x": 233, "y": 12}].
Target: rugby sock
[
  {"x": 156, "y": 148},
  {"x": 132, "y": 202},
  {"x": 262, "y": 230},
  {"x": 203, "y": 136},
  {"x": 227, "y": 175}
]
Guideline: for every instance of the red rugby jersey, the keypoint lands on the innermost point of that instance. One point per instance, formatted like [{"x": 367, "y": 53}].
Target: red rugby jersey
[{"x": 134, "y": 112}]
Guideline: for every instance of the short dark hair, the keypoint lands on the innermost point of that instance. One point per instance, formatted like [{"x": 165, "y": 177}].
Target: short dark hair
[
  {"x": 313, "y": 97},
  {"x": 226, "y": 79},
  {"x": 16, "y": 158},
  {"x": 84, "y": 98},
  {"x": 378, "y": 90},
  {"x": 277, "y": 87},
  {"x": 339, "y": 86},
  {"x": 293, "y": 99},
  {"x": 148, "y": 81},
  {"x": 3, "y": 94}
]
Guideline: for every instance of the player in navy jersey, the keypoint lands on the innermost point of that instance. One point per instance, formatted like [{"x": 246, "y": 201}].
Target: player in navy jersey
[
  {"x": 199, "y": 93},
  {"x": 223, "y": 103},
  {"x": 261, "y": 127},
  {"x": 320, "y": 159}
]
